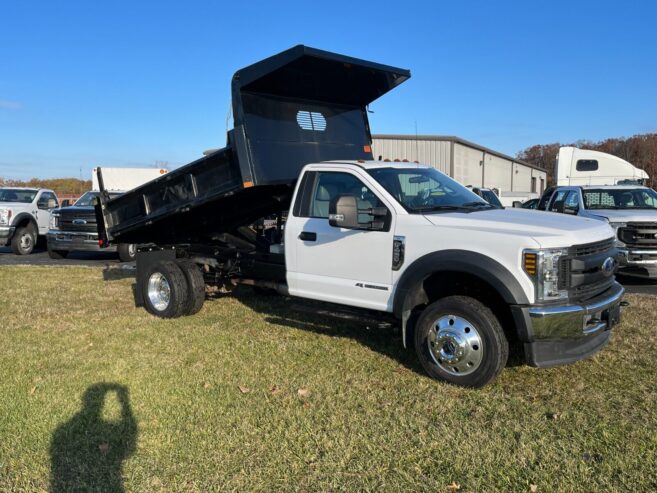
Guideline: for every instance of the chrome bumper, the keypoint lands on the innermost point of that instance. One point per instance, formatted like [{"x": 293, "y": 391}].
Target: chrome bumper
[
  {"x": 577, "y": 321},
  {"x": 74, "y": 241},
  {"x": 633, "y": 256}
]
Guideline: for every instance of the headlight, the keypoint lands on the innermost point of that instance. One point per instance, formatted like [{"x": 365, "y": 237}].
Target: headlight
[
  {"x": 54, "y": 221},
  {"x": 542, "y": 266},
  {"x": 5, "y": 217},
  {"x": 615, "y": 227}
]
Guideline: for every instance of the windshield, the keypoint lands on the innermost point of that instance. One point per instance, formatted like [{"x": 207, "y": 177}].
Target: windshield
[
  {"x": 17, "y": 195},
  {"x": 639, "y": 198},
  {"x": 88, "y": 199},
  {"x": 427, "y": 189}
]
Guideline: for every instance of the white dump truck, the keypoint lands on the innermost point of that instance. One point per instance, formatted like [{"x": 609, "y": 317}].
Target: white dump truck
[{"x": 397, "y": 242}]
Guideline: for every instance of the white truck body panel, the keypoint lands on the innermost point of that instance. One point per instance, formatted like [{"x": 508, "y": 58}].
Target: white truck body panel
[
  {"x": 609, "y": 171},
  {"x": 342, "y": 263},
  {"x": 124, "y": 179}
]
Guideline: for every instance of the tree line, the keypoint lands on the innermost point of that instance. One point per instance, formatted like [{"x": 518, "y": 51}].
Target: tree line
[
  {"x": 640, "y": 150},
  {"x": 61, "y": 186}
]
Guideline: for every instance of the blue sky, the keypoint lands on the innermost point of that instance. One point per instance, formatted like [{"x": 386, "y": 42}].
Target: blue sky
[{"x": 140, "y": 83}]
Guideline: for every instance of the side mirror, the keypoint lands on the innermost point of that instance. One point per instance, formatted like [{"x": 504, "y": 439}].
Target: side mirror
[
  {"x": 557, "y": 207},
  {"x": 344, "y": 213},
  {"x": 66, "y": 203},
  {"x": 517, "y": 204}
]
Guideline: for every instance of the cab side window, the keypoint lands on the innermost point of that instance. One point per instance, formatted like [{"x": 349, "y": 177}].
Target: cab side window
[{"x": 330, "y": 185}]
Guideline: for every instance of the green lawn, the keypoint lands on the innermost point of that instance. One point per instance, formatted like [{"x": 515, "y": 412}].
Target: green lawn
[{"x": 249, "y": 396}]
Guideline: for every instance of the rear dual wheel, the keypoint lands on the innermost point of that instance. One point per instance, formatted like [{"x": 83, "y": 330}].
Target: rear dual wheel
[{"x": 171, "y": 289}]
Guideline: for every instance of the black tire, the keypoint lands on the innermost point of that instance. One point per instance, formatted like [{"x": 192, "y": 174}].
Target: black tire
[
  {"x": 195, "y": 285},
  {"x": 127, "y": 252},
  {"x": 23, "y": 241},
  {"x": 176, "y": 283},
  {"x": 57, "y": 254},
  {"x": 469, "y": 334}
]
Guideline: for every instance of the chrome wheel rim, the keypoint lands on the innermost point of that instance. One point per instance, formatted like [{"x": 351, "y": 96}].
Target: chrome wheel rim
[
  {"x": 455, "y": 345},
  {"x": 159, "y": 291},
  {"x": 26, "y": 241}
]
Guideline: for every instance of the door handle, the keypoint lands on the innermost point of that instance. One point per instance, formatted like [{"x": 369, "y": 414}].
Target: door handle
[{"x": 307, "y": 236}]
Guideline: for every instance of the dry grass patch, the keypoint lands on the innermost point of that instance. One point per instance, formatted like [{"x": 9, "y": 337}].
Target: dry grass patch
[{"x": 215, "y": 402}]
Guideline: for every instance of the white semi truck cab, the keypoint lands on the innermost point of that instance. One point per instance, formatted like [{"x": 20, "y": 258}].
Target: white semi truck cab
[{"x": 399, "y": 242}]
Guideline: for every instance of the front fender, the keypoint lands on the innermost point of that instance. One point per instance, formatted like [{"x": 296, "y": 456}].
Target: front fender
[{"x": 410, "y": 288}]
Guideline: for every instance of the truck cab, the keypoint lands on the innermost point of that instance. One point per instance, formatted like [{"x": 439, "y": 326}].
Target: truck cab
[
  {"x": 630, "y": 210},
  {"x": 25, "y": 216}
]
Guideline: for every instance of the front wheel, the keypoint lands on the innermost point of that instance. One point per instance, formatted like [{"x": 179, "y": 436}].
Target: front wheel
[
  {"x": 459, "y": 340},
  {"x": 127, "y": 252},
  {"x": 23, "y": 240}
]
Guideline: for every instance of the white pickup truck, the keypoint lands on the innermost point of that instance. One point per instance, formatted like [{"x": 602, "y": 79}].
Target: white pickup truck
[
  {"x": 400, "y": 242},
  {"x": 24, "y": 216},
  {"x": 594, "y": 185}
]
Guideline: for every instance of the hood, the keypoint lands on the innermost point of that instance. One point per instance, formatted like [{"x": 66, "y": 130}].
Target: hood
[
  {"x": 626, "y": 215},
  {"x": 75, "y": 209},
  {"x": 14, "y": 205},
  {"x": 548, "y": 229}
]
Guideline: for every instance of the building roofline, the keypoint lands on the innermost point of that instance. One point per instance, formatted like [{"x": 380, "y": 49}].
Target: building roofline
[{"x": 458, "y": 140}]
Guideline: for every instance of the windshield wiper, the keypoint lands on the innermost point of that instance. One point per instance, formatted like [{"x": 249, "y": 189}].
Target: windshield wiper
[
  {"x": 479, "y": 204},
  {"x": 440, "y": 208}
]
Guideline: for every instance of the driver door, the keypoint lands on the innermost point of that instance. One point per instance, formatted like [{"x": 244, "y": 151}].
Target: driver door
[
  {"x": 347, "y": 266},
  {"x": 44, "y": 204}
]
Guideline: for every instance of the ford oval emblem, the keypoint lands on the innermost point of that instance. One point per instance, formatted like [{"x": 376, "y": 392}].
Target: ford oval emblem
[
  {"x": 609, "y": 266},
  {"x": 79, "y": 221}
]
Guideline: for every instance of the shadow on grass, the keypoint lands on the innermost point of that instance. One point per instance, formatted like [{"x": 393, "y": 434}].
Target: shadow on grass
[
  {"x": 277, "y": 310},
  {"x": 87, "y": 452},
  {"x": 118, "y": 273}
]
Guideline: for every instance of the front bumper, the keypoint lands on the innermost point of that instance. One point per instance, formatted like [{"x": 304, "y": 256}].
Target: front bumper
[
  {"x": 6, "y": 233},
  {"x": 562, "y": 334},
  {"x": 75, "y": 241},
  {"x": 638, "y": 261}
]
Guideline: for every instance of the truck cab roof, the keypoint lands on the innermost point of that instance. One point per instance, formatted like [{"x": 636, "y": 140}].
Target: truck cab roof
[{"x": 371, "y": 164}]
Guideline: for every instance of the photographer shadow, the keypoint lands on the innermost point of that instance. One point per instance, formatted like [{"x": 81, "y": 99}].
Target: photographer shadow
[{"x": 87, "y": 452}]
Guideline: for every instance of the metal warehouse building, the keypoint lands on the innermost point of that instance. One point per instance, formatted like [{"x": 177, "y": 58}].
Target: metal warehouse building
[{"x": 468, "y": 163}]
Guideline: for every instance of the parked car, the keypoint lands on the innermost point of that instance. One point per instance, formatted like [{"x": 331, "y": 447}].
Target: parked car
[
  {"x": 631, "y": 211},
  {"x": 488, "y": 195},
  {"x": 530, "y": 204},
  {"x": 24, "y": 216}
]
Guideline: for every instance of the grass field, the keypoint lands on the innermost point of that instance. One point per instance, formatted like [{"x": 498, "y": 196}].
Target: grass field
[{"x": 248, "y": 396}]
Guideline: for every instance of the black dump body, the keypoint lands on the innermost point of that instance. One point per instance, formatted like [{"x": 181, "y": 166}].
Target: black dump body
[{"x": 301, "y": 106}]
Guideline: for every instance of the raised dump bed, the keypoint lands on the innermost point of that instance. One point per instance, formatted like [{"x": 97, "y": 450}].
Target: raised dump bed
[{"x": 303, "y": 105}]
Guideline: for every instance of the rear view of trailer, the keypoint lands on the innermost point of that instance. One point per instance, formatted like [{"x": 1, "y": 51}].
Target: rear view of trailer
[{"x": 303, "y": 105}]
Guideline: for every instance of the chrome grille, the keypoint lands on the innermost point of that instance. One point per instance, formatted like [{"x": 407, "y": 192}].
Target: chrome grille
[
  {"x": 581, "y": 270},
  {"x": 72, "y": 221},
  {"x": 639, "y": 235}
]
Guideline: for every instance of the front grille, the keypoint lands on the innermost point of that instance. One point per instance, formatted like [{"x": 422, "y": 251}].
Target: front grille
[
  {"x": 639, "y": 235},
  {"x": 587, "y": 291},
  {"x": 72, "y": 221},
  {"x": 592, "y": 248},
  {"x": 581, "y": 270}
]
